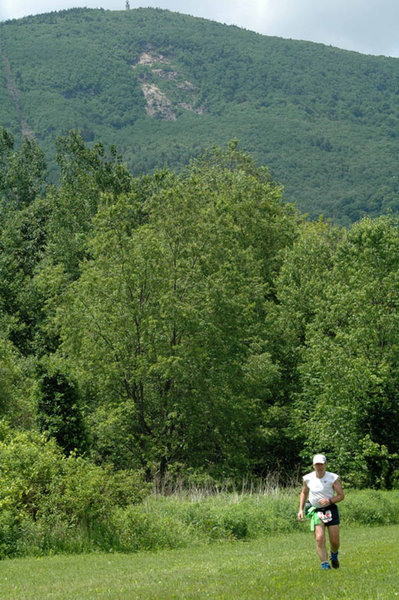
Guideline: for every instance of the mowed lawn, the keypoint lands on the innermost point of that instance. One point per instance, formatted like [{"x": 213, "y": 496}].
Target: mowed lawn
[{"x": 284, "y": 566}]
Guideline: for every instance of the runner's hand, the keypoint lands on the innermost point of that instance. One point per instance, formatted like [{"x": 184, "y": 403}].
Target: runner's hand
[{"x": 324, "y": 501}]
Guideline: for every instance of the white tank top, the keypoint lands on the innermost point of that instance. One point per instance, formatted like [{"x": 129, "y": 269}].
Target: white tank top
[{"x": 320, "y": 488}]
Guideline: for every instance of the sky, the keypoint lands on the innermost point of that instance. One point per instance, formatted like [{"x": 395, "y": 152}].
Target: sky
[{"x": 367, "y": 26}]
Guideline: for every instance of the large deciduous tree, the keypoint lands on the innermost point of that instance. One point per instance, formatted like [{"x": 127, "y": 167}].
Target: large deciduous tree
[{"x": 166, "y": 325}]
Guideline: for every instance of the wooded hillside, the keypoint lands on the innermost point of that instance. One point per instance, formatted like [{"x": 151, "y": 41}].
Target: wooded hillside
[{"x": 163, "y": 87}]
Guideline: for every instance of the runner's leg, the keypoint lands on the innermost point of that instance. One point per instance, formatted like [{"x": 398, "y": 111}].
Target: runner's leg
[
  {"x": 333, "y": 534},
  {"x": 320, "y": 536}
]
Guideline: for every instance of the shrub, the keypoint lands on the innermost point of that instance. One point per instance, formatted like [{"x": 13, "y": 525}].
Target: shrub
[{"x": 53, "y": 503}]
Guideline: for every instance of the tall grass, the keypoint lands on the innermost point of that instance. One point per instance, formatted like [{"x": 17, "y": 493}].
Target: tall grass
[
  {"x": 200, "y": 487},
  {"x": 181, "y": 520}
]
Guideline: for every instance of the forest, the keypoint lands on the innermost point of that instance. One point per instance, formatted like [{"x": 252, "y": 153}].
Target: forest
[
  {"x": 192, "y": 324},
  {"x": 162, "y": 86}
]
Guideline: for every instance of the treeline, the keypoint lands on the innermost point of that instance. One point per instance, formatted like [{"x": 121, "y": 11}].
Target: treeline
[{"x": 190, "y": 325}]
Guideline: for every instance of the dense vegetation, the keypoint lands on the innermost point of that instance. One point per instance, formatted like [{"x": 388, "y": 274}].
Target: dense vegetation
[
  {"x": 193, "y": 324},
  {"x": 163, "y": 87}
]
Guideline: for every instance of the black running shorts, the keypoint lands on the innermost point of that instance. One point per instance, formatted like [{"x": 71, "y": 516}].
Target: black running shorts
[{"x": 334, "y": 512}]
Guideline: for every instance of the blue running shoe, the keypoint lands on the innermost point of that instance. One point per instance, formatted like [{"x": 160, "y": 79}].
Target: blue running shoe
[
  {"x": 334, "y": 560},
  {"x": 325, "y": 566}
]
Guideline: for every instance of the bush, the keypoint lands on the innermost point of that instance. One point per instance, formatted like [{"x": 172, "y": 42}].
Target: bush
[{"x": 53, "y": 503}]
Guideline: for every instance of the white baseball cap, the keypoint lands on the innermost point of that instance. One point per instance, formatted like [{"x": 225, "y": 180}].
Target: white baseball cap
[{"x": 319, "y": 458}]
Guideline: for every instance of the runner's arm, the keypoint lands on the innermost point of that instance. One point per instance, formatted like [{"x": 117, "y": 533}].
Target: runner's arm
[
  {"x": 302, "y": 499},
  {"x": 339, "y": 492}
]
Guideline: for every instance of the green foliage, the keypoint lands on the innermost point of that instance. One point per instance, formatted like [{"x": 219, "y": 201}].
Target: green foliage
[
  {"x": 22, "y": 172},
  {"x": 181, "y": 521},
  {"x": 23, "y": 239},
  {"x": 85, "y": 174},
  {"x": 168, "y": 522},
  {"x": 349, "y": 365},
  {"x": 174, "y": 307},
  {"x": 82, "y": 167},
  {"x": 135, "y": 529},
  {"x": 373, "y": 508},
  {"x": 16, "y": 385},
  {"x": 59, "y": 414},
  {"x": 53, "y": 502}
]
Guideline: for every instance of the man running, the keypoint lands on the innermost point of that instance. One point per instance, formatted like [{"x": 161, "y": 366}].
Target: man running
[{"x": 325, "y": 491}]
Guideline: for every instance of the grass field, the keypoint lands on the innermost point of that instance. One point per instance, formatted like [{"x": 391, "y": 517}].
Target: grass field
[{"x": 283, "y": 566}]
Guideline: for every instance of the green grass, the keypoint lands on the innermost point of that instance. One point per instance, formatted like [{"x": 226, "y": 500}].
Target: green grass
[{"x": 284, "y": 567}]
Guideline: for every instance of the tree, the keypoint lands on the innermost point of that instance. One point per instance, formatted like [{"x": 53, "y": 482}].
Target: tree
[
  {"x": 16, "y": 383},
  {"x": 300, "y": 289},
  {"x": 298, "y": 286},
  {"x": 23, "y": 239},
  {"x": 349, "y": 403},
  {"x": 23, "y": 172},
  {"x": 166, "y": 323},
  {"x": 81, "y": 165},
  {"x": 86, "y": 173}
]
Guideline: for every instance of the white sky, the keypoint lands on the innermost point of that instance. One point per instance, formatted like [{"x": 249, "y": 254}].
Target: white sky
[{"x": 368, "y": 26}]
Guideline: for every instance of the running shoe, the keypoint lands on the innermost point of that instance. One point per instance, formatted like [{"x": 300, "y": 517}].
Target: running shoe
[{"x": 334, "y": 560}]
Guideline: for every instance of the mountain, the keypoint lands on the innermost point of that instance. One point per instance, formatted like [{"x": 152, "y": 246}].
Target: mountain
[{"x": 163, "y": 86}]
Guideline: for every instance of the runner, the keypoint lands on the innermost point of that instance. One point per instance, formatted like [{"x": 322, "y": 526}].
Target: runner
[{"x": 325, "y": 491}]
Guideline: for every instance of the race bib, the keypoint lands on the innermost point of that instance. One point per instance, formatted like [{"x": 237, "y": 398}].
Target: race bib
[{"x": 326, "y": 516}]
